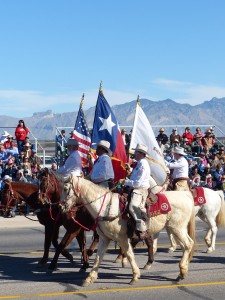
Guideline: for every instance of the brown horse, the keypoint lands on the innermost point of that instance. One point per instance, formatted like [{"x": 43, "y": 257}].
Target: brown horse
[
  {"x": 49, "y": 182},
  {"x": 48, "y": 214},
  {"x": 76, "y": 221}
]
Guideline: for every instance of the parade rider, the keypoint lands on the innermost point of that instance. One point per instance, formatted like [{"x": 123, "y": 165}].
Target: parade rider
[
  {"x": 73, "y": 163},
  {"x": 102, "y": 173},
  {"x": 180, "y": 170},
  {"x": 139, "y": 184}
]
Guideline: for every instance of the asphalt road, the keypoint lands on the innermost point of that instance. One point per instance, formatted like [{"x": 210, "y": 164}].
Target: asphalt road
[{"x": 21, "y": 247}]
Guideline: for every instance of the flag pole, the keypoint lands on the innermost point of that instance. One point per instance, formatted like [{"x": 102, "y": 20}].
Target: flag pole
[
  {"x": 138, "y": 100},
  {"x": 81, "y": 101},
  {"x": 100, "y": 88}
]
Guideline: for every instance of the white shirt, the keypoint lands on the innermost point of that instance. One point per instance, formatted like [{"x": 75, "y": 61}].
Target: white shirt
[
  {"x": 72, "y": 165},
  {"x": 180, "y": 168},
  {"x": 102, "y": 169},
  {"x": 140, "y": 176}
]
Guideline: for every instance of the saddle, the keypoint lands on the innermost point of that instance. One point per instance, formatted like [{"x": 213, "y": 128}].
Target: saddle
[{"x": 155, "y": 205}]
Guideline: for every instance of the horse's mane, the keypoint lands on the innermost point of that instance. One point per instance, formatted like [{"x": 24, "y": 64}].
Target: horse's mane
[
  {"x": 58, "y": 177},
  {"x": 89, "y": 187}
]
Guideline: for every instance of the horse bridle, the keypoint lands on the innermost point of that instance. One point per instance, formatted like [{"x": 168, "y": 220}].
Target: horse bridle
[
  {"x": 11, "y": 197},
  {"x": 44, "y": 195}
]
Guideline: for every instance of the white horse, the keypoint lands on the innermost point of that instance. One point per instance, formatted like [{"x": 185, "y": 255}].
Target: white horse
[
  {"x": 212, "y": 213},
  {"x": 104, "y": 208}
]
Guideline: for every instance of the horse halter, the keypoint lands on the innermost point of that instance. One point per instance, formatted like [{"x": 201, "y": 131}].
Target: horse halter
[{"x": 71, "y": 191}]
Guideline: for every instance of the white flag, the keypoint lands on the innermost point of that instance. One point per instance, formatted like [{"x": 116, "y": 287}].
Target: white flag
[{"x": 142, "y": 133}]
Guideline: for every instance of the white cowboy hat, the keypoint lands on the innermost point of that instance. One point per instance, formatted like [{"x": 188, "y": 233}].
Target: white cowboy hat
[
  {"x": 5, "y": 133},
  {"x": 72, "y": 142},
  {"x": 179, "y": 150},
  {"x": 141, "y": 148},
  {"x": 7, "y": 177},
  {"x": 106, "y": 145}
]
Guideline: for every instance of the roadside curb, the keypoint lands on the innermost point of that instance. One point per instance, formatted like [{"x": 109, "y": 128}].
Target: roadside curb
[{"x": 19, "y": 222}]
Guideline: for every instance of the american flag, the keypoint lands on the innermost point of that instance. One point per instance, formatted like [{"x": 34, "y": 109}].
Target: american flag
[{"x": 82, "y": 134}]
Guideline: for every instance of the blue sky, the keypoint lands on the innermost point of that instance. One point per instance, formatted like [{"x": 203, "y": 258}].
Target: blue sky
[{"x": 53, "y": 51}]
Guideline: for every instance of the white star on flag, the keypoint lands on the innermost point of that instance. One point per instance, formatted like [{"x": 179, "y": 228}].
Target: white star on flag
[{"x": 107, "y": 124}]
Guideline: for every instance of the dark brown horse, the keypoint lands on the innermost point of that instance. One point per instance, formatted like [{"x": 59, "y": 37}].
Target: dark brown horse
[
  {"x": 76, "y": 222},
  {"x": 48, "y": 214}
]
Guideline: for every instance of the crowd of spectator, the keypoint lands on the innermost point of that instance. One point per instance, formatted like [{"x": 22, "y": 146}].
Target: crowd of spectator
[
  {"x": 206, "y": 158},
  {"x": 18, "y": 157}
]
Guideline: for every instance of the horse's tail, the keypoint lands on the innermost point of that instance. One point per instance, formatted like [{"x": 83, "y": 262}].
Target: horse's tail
[
  {"x": 220, "y": 218},
  {"x": 191, "y": 231}
]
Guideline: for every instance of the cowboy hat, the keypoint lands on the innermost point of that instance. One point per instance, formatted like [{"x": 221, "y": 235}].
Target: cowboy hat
[
  {"x": 106, "y": 145},
  {"x": 180, "y": 151},
  {"x": 5, "y": 133},
  {"x": 72, "y": 142},
  {"x": 7, "y": 177},
  {"x": 141, "y": 148},
  {"x": 161, "y": 129}
]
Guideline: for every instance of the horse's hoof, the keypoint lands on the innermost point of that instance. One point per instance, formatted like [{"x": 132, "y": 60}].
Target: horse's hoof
[
  {"x": 116, "y": 261},
  {"x": 209, "y": 250},
  {"x": 40, "y": 265},
  {"x": 49, "y": 272},
  {"x": 133, "y": 281},
  {"x": 90, "y": 252},
  {"x": 42, "y": 262},
  {"x": 171, "y": 250},
  {"x": 69, "y": 257},
  {"x": 179, "y": 278},
  {"x": 147, "y": 267},
  {"x": 82, "y": 270},
  {"x": 84, "y": 267},
  {"x": 85, "y": 284}
]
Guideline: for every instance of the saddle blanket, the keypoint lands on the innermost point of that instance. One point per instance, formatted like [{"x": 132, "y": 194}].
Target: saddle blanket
[
  {"x": 161, "y": 206},
  {"x": 199, "y": 196}
]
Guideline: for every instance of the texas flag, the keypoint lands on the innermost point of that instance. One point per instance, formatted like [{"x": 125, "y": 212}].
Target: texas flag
[{"x": 105, "y": 127}]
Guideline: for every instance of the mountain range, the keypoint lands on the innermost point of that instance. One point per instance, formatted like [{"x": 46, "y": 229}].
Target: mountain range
[{"x": 166, "y": 113}]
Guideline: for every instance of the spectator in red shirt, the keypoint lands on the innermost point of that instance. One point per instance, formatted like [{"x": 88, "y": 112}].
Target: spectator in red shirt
[
  {"x": 188, "y": 135},
  {"x": 8, "y": 141},
  {"x": 21, "y": 132}
]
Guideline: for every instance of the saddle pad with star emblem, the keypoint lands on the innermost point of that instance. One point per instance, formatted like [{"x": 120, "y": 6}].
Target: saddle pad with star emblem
[
  {"x": 199, "y": 196},
  {"x": 162, "y": 206}
]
